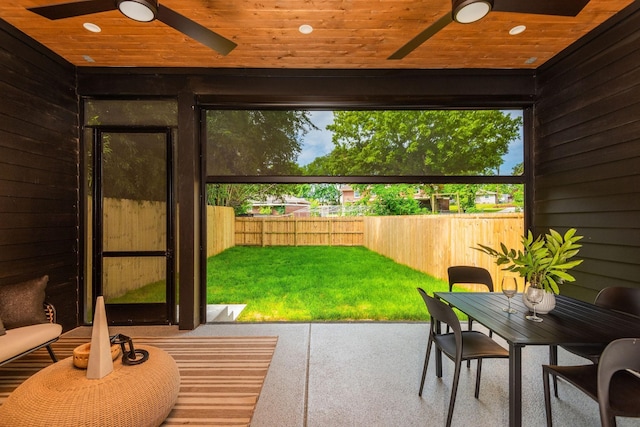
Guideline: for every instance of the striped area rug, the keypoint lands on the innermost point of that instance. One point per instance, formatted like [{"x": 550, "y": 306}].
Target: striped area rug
[{"x": 220, "y": 377}]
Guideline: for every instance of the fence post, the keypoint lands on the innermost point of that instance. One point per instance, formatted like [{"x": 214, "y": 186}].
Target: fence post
[{"x": 330, "y": 230}]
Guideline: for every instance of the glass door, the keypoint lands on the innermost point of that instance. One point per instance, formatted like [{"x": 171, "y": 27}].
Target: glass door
[{"x": 133, "y": 224}]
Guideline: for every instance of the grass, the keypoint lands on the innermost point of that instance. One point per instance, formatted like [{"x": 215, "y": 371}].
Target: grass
[
  {"x": 153, "y": 292},
  {"x": 317, "y": 283},
  {"x": 309, "y": 283}
]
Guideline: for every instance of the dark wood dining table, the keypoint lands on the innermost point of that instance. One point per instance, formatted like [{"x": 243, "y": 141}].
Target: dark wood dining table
[{"x": 572, "y": 322}]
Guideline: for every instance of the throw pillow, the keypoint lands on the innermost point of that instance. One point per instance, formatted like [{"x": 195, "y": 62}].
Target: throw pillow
[
  {"x": 21, "y": 304},
  {"x": 2, "y": 331}
]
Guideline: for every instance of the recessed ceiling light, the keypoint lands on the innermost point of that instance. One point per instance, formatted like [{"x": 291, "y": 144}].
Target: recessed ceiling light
[
  {"x": 91, "y": 27},
  {"x": 88, "y": 58},
  {"x": 531, "y": 60},
  {"x": 305, "y": 29},
  {"x": 517, "y": 30}
]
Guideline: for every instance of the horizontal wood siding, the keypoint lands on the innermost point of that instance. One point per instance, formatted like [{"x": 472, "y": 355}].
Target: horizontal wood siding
[
  {"x": 38, "y": 171},
  {"x": 587, "y": 155}
]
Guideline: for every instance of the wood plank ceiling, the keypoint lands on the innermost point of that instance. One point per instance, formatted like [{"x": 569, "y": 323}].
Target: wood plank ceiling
[{"x": 348, "y": 34}]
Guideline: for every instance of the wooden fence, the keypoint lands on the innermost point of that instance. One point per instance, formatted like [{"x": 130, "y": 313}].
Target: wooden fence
[
  {"x": 131, "y": 225},
  {"x": 140, "y": 225},
  {"x": 331, "y": 231},
  {"x": 432, "y": 243},
  {"x": 429, "y": 243},
  {"x": 220, "y": 229}
]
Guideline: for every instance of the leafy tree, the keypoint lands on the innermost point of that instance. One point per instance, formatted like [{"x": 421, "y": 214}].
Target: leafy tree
[
  {"x": 518, "y": 169},
  {"x": 239, "y": 196},
  {"x": 517, "y": 194},
  {"x": 133, "y": 164},
  {"x": 382, "y": 199},
  {"x": 319, "y": 166},
  {"x": 421, "y": 142},
  {"x": 467, "y": 193},
  {"x": 255, "y": 142},
  {"x": 252, "y": 142},
  {"x": 328, "y": 194}
]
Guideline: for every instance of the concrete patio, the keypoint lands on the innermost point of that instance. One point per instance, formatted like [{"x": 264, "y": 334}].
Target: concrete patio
[{"x": 368, "y": 374}]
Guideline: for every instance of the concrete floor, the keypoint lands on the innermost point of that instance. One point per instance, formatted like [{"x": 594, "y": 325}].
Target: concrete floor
[{"x": 368, "y": 374}]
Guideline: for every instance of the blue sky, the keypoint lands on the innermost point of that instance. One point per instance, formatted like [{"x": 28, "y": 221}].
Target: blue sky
[{"x": 318, "y": 143}]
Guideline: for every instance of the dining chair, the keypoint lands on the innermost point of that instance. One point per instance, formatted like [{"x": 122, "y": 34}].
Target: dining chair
[
  {"x": 617, "y": 298},
  {"x": 458, "y": 345},
  {"x": 614, "y": 382},
  {"x": 466, "y": 274}
]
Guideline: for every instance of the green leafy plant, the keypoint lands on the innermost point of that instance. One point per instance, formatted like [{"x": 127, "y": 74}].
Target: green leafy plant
[{"x": 544, "y": 261}]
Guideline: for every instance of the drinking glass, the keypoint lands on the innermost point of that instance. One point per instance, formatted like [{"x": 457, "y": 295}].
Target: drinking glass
[
  {"x": 509, "y": 288},
  {"x": 534, "y": 296}
]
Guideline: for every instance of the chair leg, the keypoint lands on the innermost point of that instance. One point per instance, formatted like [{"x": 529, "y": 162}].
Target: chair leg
[
  {"x": 470, "y": 328},
  {"x": 553, "y": 360},
  {"x": 52, "y": 354},
  {"x": 547, "y": 396},
  {"x": 426, "y": 364},
  {"x": 478, "y": 373},
  {"x": 454, "y": 391}
]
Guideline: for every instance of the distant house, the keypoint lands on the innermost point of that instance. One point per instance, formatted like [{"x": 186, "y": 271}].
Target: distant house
[
  {"x": 281, "y": 206},
  {"x": 348, "y": 194},
  {"x": 491, "y": 197}
]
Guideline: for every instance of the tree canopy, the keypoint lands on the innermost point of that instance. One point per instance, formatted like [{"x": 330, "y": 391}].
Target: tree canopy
[
  {"x": 328, "y": 194},
  {"x": 239, "y": 196},
  {"x": 417, "y": 142},
  {"x": 134, "y": 164},
  {"x": 365, "y": 143},
  {"x": 255, "y": 142},
  {"x": 383, "y": 199}
]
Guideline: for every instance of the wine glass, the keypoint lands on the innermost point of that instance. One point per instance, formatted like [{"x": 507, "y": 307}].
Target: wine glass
[
  {"x": 509, "y": 288},
  {"x": 534, "y": 296}
]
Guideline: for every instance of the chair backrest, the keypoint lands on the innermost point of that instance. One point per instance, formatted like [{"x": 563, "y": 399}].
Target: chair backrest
[
  {"x": 441, "y": 312},
  {"x": 620, "y": 299},
  {"x": 619, "y": 355},
  {"x": 468, "y": 274}
]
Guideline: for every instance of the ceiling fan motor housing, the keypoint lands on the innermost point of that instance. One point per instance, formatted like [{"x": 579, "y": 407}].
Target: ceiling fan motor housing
[
  {"x": 468, "y": 11},
  {"x": 139, "y": 10}
]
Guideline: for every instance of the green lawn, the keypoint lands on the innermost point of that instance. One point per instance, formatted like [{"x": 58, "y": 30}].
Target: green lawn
[
  {"x": 153, "y": 292},
  {"x": 317, "y": 283}
]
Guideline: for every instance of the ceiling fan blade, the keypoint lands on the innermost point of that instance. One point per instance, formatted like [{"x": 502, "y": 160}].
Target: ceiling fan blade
[
  {"x": 422, "y": 37},
  {"x": 541, "y": 7},
  {"x": 78, "y": 8},
  {"x": 195, "y": 31}
]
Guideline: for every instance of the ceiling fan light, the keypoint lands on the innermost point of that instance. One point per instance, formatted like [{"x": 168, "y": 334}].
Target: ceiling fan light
[
  {"x": 468, "y": 11},
  {"x": 139, "y": 10}
]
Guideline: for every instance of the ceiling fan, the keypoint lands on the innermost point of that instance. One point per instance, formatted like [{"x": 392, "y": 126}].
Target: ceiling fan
[
  {"x": 468, "y": 11},
  {"x": 143, "y": 11}
]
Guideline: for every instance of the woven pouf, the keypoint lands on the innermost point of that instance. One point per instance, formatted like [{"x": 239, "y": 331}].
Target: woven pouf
[{"x": 61, "y": 395}]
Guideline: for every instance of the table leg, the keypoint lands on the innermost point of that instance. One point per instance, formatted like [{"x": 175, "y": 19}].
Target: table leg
[
  {"x": 515, "y": 385},
  {"x": 553, "y": 360}
]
